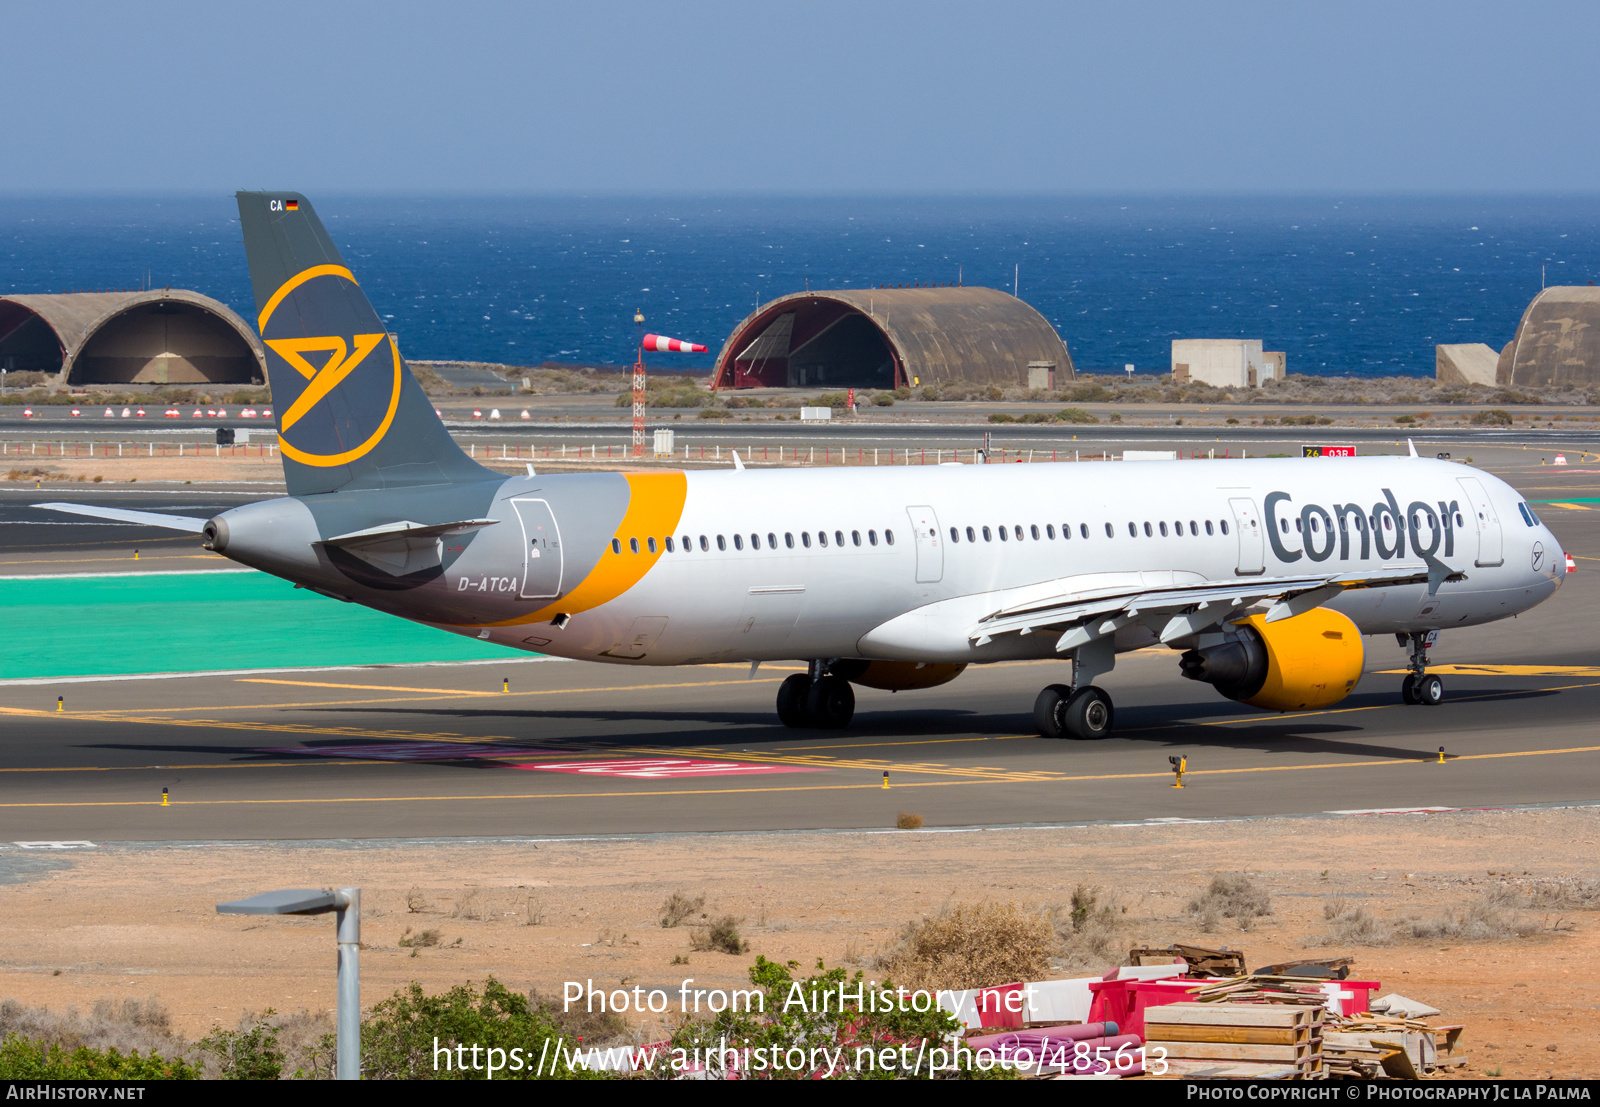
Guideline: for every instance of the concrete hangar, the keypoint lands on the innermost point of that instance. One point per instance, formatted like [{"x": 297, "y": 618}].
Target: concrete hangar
[
  {"x": 160, "y": 336},
  {"x": 891, "y": 338}
]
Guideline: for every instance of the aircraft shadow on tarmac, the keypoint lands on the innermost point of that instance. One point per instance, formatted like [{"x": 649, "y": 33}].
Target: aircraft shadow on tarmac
[{"x": 1163, "y": 725}]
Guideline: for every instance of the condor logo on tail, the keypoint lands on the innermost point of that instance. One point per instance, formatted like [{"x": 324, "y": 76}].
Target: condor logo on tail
[{"x": 349, "y": 397}]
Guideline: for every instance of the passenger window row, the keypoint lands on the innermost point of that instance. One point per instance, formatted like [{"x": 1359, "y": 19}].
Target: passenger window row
[
  {"x": 1016, "y": 532},
  {"x": 821, "y": 539}
]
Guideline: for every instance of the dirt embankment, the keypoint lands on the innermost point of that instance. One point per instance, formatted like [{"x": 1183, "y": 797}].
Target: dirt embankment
[{"x": 1487, "y": 915}]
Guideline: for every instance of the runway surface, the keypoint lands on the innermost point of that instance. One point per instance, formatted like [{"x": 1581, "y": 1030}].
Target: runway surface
[{"x": 423, "y": 751}]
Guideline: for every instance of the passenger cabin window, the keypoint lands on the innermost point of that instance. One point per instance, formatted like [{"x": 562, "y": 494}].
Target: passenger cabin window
[
  {"x": 1050, "y": 530},
  {"x": 987, "y": 537},
  {"x": 772, "y": 541},
  {"x": 1224, "y": 526},
  {"x": 1019, "y": 532},
  {"x": 805, "y": 539},
  {"x": 738, "y": 541},
  {"x": 970, "y": 536},
  {"x": 872, "y": 537},
  {"x": 1083, "y": 530},
  {"x": 1133, "y": 530},
  {"x": 788, "y": 539},
  {"x": 616, "y": 545},
  {"x": 1111, "y": 534},
  {"x": 1208, "y": 526},
  {"x": 955, "y": 535},
  {"x": 1004, "y": 537},
  {"x": 1163, "y": 528},
  {"x": 838, "y": 538},
  {"x": 651, "y": 544},
  {"x": 722, "y": 543},
  {"x": 855, "y": 537},
  {"x": 1147, "y": 532},
  {"x": 888, "y": 536},
  {"x": 755, "y": 541},
  {"x": 822, "y": 539},
  {"x": 669, "y": 543},
  {"x": 704, "y": 547},
  {"x": 1194, "y": 528}
]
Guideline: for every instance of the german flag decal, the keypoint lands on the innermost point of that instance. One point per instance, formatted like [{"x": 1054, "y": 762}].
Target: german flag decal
[{"x": 291, "y": 205}]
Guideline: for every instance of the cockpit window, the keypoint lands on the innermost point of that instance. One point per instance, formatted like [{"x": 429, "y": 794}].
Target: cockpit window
[{"x": 1527, "y": 515}]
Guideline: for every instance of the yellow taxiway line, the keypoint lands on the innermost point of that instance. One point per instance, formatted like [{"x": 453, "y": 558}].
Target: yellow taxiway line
[{"x": 1424, "y": 759}]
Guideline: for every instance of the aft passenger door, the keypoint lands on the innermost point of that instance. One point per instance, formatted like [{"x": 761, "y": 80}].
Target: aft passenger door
[
  {"x": 1491, "y": 544},
  {"x": 930, "y": 547},
  {"x": 1247, "y": 521},
  {"x": 541, "y": 550}
]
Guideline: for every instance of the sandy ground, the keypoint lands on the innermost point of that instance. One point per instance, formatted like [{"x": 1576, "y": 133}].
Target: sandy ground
[{"x": 138, "y": 921}]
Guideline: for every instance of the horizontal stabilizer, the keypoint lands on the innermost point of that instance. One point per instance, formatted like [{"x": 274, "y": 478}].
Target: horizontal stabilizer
[{"x": 121, "y": 515}]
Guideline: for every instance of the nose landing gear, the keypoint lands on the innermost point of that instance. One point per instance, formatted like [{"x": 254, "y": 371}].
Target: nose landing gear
[
  {"x": 1419, "y": 687},
  {"x": 816, "y": 699}
]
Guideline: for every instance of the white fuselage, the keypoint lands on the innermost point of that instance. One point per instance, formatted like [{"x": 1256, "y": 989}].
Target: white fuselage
[{"x": 901, "y": 586}]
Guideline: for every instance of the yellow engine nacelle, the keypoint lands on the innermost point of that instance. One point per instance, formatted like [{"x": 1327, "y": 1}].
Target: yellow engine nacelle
[
  {"x": 896, "y": 676},
  {"x": 1309, "y": 661}
]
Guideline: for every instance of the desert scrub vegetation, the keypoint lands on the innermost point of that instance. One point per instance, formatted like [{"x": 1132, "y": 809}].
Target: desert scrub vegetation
[
  {"x": 399, "y": 1036},
  {"x": 902, "y": 1040},
  {"x": 972, "y": 945},
  {"x": 1496, "y": 916},
  {"x": 1087, "y": 932},
  {"x": 1230, "y": 896},
  {"x": 720, "y": 935},
  {"x": 677, "y": 907}
]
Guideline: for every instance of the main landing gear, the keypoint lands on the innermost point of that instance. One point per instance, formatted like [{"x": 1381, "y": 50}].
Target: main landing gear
[
  {"x": 816, "y": 699},
  {"x": 1419, "y": 687},
  {"x": 1059, "y": 712}
]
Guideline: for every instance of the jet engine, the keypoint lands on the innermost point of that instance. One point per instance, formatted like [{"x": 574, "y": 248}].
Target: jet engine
[
  {"x": 1310, "y": 661},
  {"x": 895, "y": 676}
]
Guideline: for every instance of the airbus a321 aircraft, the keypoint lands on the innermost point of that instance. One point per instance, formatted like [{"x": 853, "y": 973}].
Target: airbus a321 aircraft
[{"x": 1262, "y": 575}]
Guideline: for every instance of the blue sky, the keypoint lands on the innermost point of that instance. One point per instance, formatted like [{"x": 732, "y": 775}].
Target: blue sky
[{"x": 816, "y": 98}]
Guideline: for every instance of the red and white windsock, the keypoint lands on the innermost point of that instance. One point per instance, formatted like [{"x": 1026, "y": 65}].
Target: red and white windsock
[{"x": 663, "y": 344}]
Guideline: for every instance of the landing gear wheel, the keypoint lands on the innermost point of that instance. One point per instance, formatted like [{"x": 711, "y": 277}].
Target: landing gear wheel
[
  {"x": 1408, "y": 689},
  {"x": 792, "y": 700},
  {"x": 1049, "y": 710},
  {"x": 831, "y": 703},
  {"x": 1088, "y": 714},
  {"x": 1429, "y": 691}
]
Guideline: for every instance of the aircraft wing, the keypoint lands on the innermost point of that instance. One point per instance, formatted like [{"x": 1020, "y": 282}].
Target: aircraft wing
[
  {"x": 122, "y": 515},
  {"x": 1182, "y": 610}
]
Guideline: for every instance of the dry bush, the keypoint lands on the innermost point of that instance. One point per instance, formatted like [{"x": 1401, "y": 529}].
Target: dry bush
[
  {"x": 907, "y": 821},
  {"x": 1352, "y": 924},
  {"x": 679, "y": 907},
  {"x": 578, "y": 1023},
  {"x": 416, "y": 902},
  {"x": 122, "y": 1024},
  {"x": 469, "y": 906},
  {"x": 1565, "y": 894},
  {"x": 1230, "y": 896},
  {"x": 722, "y": 935},
  {"x": 971, "y": 946},
  {"x": 1491, "y": 918},
  {"x": 426, "y": 940},
  {"x": 1088, "y": 933}
]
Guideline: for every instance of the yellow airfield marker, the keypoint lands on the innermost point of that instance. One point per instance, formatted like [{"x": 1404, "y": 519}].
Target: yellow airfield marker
[
  {"x": 1441, "y": 755},
  {"x": 886, "y": 780},
  {"x": 164, "y": 802},
  {"x": 505, "y": 684},
  {"x": 1179, "y": 766},
  {"x": 61, "y": 703}
]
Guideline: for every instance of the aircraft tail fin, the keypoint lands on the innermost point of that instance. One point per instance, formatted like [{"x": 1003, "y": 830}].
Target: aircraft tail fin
[{"x": 350, "y": 414}]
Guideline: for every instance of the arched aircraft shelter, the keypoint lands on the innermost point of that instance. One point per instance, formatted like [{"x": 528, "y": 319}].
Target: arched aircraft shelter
[{"x": 888, "y": 337}]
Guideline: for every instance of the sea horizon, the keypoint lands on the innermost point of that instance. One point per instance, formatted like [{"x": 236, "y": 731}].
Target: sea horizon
[{"x": 1345, "y": 284}]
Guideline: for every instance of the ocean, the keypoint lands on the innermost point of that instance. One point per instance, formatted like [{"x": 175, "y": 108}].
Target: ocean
[{"x": 1362, "y": 286}]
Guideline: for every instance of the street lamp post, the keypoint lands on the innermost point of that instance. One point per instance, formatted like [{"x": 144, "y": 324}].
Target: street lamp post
[{"x": 345, "y": 903}]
